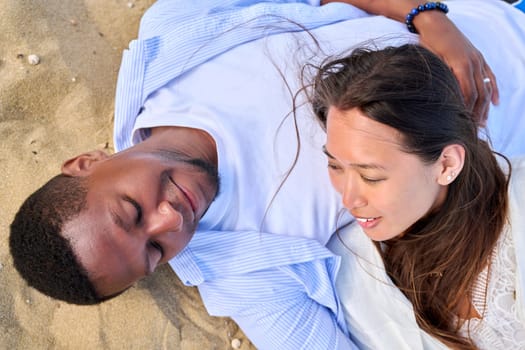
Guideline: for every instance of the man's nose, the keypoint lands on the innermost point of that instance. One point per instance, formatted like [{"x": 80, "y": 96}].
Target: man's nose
[
  {"x": 352, "y": 196},
  {"x": 164, "y": 219}
]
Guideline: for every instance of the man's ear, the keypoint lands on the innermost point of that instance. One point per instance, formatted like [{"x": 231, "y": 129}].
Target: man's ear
[
  {"x": 451, "y": 163},
  {"x": 81, "y": 164}
]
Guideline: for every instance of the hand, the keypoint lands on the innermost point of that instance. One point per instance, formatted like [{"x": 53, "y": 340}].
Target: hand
[{"x": 442, "y": 37}]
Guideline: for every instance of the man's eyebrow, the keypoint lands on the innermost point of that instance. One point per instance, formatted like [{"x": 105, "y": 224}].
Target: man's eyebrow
[
  {"x": 198, "y": 163},
  {"x": 356, "y": 165},
  {"x": 174, "y": 155}
]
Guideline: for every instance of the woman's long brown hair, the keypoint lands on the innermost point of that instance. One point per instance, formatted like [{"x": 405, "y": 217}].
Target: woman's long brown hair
[{"x": 437, "y": 261}]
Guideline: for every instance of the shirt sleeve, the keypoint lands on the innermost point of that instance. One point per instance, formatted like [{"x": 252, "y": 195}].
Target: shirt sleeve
[
  {"x": 299, "y": 323},
  {"x": 281, "y": 308},
  {"x": 279, "y": 289}
]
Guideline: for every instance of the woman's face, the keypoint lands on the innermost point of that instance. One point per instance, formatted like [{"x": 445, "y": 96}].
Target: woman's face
[{"x": 384, "y": 188}]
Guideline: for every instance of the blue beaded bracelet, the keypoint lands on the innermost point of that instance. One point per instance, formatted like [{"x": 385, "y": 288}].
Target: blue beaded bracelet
[{"x": 424, "y": 7}]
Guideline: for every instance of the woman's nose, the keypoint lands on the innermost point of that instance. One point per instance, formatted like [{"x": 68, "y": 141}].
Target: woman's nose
[
  {"x": 165, "y": 219},
  {"x": 352, "y": 196}
]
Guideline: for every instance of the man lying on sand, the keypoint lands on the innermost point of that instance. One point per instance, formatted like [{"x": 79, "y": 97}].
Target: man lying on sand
[{"x": 214, "y": 176}]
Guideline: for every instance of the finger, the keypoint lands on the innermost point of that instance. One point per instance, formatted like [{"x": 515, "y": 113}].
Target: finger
[
  {"x": 493, "y": 85},
  {"x": 470, "y": 90},
  {"x": 482, "y": 106},
  {"x": 485, "y": 83},
  {"x": 468, "y": 86},
  {"x": 483, "y": 113}
]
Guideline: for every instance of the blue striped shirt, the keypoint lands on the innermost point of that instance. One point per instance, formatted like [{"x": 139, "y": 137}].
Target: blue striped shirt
[
  {"x": 176, "y": 36},
  {"x": 279, "y": 289}
]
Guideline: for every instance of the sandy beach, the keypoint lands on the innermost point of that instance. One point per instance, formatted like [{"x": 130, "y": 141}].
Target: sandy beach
[{"x": 49, "y": 112}]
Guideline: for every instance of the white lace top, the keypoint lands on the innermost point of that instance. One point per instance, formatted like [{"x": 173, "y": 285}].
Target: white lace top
[{"x": 500, "y": 326}]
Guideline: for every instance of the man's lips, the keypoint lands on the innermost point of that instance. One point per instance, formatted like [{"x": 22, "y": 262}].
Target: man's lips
[{"x": 189, "y": 197}]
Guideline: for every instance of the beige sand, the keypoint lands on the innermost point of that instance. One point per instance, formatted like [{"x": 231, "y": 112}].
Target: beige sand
[{"x": 52, "y": 111}]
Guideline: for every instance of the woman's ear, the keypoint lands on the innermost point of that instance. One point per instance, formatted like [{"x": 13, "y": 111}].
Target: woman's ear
[
  {"x": 81, "y": 164},
  {"x": 451, "y": 163}
]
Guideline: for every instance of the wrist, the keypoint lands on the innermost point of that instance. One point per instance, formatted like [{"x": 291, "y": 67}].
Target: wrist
[
  {"x": 424, "y": 14},
  {"x": 432, "y": 22}
]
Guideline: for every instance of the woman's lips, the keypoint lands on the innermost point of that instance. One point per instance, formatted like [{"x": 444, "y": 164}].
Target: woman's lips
[{"x": 367, "y": 222}]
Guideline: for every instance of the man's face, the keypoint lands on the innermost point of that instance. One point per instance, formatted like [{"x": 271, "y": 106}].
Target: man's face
[{"x": 143, "y": 207}]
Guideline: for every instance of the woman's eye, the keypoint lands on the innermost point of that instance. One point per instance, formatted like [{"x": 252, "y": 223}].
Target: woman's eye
[
  {"x": 334, "y": 167},
  {"x": 370, "y": 180}
]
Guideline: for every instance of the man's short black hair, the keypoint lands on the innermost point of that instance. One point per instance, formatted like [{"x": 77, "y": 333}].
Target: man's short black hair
[{"x": 42, "y": 256}]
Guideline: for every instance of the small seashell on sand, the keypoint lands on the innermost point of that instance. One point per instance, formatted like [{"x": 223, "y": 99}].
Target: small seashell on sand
[
  {"x": 33, "y": 59},
  {"x": 236, "y": 343}
]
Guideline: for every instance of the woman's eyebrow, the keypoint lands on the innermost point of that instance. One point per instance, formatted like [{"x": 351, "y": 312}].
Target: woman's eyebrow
[
  {"x": 372, "y": 166},
  {"x": 325, "y": 151}
]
